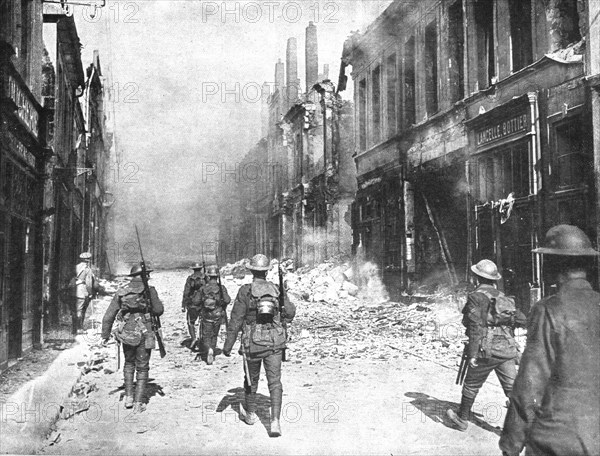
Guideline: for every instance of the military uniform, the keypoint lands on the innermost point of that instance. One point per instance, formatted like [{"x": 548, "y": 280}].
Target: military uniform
[
  {"x": 134, "y": 331},
  {"x": 83, "y": 288},
  {"x": 555, "y": 405},
  {"x": 191, "y": 301},
  {"x": 490, "y": 347},
  {"x": 244, "y": 315},
  {"x": 212, "y": 315}
]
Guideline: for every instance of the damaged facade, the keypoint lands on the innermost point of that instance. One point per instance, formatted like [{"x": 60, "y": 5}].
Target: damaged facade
[
  {"x": 298, "y": 207},
  {"x": 42, "y": 144},
  {"x": 473, "y": 136}
]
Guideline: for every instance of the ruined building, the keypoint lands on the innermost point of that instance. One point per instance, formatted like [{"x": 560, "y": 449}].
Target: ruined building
[
  {"x": 298, "y": 182},
  {"x": 473, "y": 135}
]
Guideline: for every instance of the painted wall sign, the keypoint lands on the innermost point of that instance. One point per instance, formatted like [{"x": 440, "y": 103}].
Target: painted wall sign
[
  {"x": 26, "y": 111},
  {"x": 502, "y": 129}
]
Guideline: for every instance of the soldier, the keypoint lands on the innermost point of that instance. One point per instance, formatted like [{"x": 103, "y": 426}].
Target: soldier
[
  {"x": 256, "y": 312},
  {"x": 83, "y": 286},
  {"x": 192, "y": 299},
  {"x": 214, "y": 299},
  {"x": 134, "y": 330},
  {"x": 555, "y": 404},
  {"x": 490, "y": 317}
]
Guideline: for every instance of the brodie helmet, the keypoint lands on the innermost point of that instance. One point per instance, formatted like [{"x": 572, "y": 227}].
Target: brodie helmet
[
  {"x": 567, "y": 240},
  {"x": 136, "y": 270},
  {"x": 197, "y": 266},
  {"x": 486, "y": 269},
  {"x": 212, "y": 270},
  {"x": 259, "y": 262}
]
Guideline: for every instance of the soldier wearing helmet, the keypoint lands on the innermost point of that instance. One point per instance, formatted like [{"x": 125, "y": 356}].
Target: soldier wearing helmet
[
  {"x": 191, "y": 301},
  {"x": 132, "y": 311},
  {"x": 555, "y": 404},
  {"x": 256, "y": 313},
  {"x": 490, "y": 318},
  {"x": 214, "y": 300}
]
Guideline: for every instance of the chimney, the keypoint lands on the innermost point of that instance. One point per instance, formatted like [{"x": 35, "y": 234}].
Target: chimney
[
  {"x": 292, "y": 72},
  {"x": 264, "y": 110},
  {"x": 312, "y": 56},
  {"x": 325, "y": 75},
  {"x": 279, "y": 77}
]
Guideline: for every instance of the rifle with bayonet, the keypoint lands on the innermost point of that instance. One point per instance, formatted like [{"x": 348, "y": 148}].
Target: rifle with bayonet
[
  {"x": 155, "y": 319},
  {"x": 282, "y": 307},
  {"x": 464, "y": 365},
  {"x": 221, "y": 294}
]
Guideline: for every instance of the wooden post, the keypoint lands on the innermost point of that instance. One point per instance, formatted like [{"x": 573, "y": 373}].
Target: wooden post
[{"x": 446, "y": 255}]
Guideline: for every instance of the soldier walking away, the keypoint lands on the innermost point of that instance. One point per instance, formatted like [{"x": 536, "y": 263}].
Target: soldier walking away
[
  {"x": 133, "y": 313},
  {"x": 192, "y": 301},
  {"x": 555, "y": 404},
  {"x": 257, "y": 314},
  {"x": 490, "y": 318},
  {"x": 83, "y": 285},
  {"x": 214, "y": 299}
]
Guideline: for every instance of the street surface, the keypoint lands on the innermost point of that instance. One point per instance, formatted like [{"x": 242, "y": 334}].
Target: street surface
[{"x": 360, "y": 405}]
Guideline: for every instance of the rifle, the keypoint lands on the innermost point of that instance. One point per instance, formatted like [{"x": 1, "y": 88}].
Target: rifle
[
  {"x": 118, "y": 344},
  {"x": 282, "y": 307},
  {"x": 246, "y": 368},
  {"x": 203, "y": 265},
  {"x": 464, "y": 365},
  {"x": 155, "y": 319},
  {"x": 221, "y": 296}
]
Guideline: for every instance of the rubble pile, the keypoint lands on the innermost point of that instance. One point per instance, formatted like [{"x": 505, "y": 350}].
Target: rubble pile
[
  {"x": 424, "y": 326},
  {"x": 344, "y": 311}
]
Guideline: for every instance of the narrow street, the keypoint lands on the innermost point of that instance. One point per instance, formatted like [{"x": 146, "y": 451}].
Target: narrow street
[{"x": 361, "y": 405}]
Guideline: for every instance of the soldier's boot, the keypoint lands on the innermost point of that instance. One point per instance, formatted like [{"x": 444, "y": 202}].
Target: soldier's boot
[
  {"x": 140, "y": 389},
  {"x": 128, "y": 374},
  {"x": 192, "y": 331},
  {"x": 275, "y": 414},
  {"x": 210, "y": 357},
  {"x": 249, "y": 415},
  {"x": 461, "y": 420}
]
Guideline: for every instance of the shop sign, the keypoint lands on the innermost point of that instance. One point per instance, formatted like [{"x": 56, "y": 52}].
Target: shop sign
[{"x": 502, "y": 129}]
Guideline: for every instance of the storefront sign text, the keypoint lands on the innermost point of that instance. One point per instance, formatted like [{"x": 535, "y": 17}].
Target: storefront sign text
[{"x": 502, "y": 130}]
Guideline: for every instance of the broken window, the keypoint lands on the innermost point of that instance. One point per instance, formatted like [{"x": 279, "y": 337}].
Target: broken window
[
  {"x": 520, "y": 33},
  {"x": 362, "y": 114},
  {"x": 409, "y": 82},
  {"x": 563, "y": 23},
  {"x": 570, "y": 161},
  {"x": 431, "y": 68},
  {"x": 376, "y": 103},
  {"x": 456, "y": 51},
  {"x": 391, "y": 94},
  {"x": 484, "y": 26},
  {"x": 500, "y": 172}
]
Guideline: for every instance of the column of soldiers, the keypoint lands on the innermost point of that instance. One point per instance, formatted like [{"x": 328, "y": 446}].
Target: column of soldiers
[
  {"x": 261, "y": 311},
  {"x": 553, "y": 400}
]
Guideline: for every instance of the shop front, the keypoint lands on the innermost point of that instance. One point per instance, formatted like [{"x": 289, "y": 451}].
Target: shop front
[
  {"x": 21, "y": 188},
  {"x": 504, "y": 193}
]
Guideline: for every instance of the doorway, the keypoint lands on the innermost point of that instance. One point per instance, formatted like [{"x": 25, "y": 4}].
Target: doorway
[{"x": 14, "y": 287}]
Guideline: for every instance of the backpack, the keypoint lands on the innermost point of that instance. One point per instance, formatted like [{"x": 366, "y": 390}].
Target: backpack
[
  {"x": 260, "y": 333},
  {"x": 130, "y": 329},
  {"x": 196, "y": 291},
  {"x": 502, "y": 308},
  {"x": 210, "y": 297}
]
